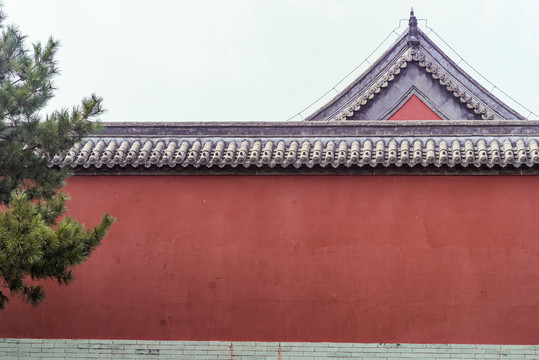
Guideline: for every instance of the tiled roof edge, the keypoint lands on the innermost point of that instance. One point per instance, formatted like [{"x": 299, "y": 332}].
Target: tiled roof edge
[{"x": 333, "y": 152}]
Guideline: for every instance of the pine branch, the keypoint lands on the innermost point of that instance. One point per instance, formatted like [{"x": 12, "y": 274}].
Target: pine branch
[{"x": 37, "y": 240}]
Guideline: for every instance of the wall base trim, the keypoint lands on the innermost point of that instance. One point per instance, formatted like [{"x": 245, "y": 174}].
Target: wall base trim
[{"x": 242, "y": 350}]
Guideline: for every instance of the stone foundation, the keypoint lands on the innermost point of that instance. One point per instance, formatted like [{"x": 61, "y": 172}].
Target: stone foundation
[{"x": 217, "y": 350}]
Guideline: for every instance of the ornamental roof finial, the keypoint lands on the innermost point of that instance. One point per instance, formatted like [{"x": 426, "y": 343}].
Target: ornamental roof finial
[{"x": 413, "y": 39}]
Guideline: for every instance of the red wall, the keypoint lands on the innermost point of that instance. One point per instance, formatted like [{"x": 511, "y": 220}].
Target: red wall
[
  {"x": 301, "y": 258},
  {"x": 414, "y": 109}
]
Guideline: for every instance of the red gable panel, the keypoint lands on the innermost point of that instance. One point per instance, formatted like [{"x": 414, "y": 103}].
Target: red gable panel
[{"x": 414, "y": 109}]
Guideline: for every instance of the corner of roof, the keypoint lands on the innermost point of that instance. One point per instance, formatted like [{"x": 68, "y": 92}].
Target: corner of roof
[
  {"x": 468, "y": 83},
  {"x": 362, "y": 81}
]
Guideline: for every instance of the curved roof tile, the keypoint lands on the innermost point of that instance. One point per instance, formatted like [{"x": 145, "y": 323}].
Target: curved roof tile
[{"x": 234, "y": 145}]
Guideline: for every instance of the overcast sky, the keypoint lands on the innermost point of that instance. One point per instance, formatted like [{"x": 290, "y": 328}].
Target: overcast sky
[{"x": 238, "y": 60}]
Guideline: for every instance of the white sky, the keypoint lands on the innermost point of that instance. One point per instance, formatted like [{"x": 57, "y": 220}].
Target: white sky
[{"x": 260, "y": 59}]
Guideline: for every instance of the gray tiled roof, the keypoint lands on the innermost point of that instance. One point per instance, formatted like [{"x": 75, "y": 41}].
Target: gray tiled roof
[
  {"x": 279, "y": 146},
  {"x": 451, "y": 80}
]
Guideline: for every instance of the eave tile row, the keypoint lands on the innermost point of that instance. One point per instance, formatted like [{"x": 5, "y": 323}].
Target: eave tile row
[{"x": 349, "y": 152}]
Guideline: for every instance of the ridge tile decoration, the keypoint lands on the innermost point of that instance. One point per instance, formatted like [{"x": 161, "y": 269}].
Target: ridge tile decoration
[
  {"x": 437, "y": 73},
  {"x": 388, "y": 79}
]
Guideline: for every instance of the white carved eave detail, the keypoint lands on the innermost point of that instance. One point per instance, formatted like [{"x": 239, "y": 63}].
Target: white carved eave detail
[{"x": 434, "y": 69}]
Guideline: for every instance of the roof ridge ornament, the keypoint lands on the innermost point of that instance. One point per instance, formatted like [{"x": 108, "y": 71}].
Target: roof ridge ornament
[
  {"x": 437, "y": 72},
  {"x": 413, "y": 38},
  {"x": 414, "y": 47}
]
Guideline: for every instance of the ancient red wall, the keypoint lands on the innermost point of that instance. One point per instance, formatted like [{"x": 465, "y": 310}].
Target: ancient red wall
[
  {"x": 301, "y": 258},
  {"x": 414, "y": 109}
]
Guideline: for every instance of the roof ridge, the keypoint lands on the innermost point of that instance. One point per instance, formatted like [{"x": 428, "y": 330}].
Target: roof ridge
[
  {"x": 437, "y": 72},
  {"x": 414, "y": 45}
]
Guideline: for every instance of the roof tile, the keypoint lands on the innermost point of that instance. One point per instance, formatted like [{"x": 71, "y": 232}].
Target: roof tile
[
  {"x": 356, "y": 152},
  {"x": 403, "y": 147}
]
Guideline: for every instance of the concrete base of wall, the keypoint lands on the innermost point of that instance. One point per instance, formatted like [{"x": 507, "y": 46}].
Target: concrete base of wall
[{"x": 217, "y": 350}]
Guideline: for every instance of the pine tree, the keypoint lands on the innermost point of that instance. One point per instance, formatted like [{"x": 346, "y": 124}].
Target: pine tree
[{"x": 37, "y": 239}]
